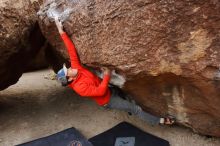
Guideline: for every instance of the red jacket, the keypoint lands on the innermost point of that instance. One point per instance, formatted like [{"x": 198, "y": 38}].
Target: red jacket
[{"x": 86, "y": 83}]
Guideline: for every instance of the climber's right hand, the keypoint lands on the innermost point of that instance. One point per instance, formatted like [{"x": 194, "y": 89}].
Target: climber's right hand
[
  {"x": 106, "y": 71},
  {"x": 59, "y": 25}
]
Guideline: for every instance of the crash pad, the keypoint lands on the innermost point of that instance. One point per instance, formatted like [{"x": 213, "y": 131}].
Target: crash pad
[
  {"x": 68, "y": 137},
  {"x": 126, "y": 130}
]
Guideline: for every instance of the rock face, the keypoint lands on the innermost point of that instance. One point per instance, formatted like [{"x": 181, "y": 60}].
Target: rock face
[
  {"x": 168, "y": 51},
  {"x": 21, "y": 39}
]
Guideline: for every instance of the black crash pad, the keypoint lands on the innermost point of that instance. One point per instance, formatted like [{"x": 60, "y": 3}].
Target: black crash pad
[
  {"x": 125, "y": 129},
  {"x": 68, "y": 137}
]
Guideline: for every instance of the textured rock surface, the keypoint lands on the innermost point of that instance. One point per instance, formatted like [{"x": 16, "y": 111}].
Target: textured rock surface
[
  {"x": 167, "y": 50},
  {"x": 20, "y": 37}
]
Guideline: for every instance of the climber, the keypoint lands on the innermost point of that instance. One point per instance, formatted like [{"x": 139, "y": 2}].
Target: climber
[{"x": 89, "y": 85}]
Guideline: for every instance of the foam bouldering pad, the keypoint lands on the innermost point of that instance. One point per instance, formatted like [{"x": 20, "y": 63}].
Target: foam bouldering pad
[
  {"x": 68, "y": 137},
  {"x": 124, "y": 129}
]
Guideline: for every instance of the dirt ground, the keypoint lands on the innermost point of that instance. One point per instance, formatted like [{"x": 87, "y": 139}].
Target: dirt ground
[{"x": 36, "y": 107}]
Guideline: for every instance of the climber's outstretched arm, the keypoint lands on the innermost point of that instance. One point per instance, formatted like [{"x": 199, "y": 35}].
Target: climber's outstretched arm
[{"x": 75, "y": 62}]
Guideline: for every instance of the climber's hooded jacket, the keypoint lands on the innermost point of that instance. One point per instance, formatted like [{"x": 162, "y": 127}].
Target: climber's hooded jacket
[{"x": 86, "y": 83}]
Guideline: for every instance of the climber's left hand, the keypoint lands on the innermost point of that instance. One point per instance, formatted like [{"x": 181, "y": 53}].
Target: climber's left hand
[{"x": 59, "y": 25}]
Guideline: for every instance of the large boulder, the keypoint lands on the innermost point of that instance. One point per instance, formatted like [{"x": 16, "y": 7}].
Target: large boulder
[
  {"x": 21, "y": 39},
  {"x": 168, "y": 51}
]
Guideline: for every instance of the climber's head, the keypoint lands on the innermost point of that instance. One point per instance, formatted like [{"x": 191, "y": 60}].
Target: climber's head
[{"x": 66, "y": 75}]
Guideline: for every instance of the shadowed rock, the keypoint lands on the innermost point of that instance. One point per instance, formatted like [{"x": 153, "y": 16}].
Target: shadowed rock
[
  {"x": 21, "y": 39},
  {"x": 168, "y": 51}
]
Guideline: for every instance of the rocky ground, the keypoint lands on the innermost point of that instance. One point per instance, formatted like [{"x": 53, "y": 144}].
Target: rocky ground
[{"x": 37, "y": 107}]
